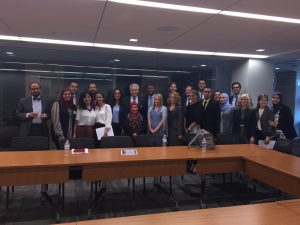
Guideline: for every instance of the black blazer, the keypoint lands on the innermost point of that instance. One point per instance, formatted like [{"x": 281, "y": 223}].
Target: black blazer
[
  {"x": 122, "y": 114},
  {"x": 249, "y": 122},
  {"x": 211, "y": 116},
  {"x": 177, "y": 123},
  {"x": 286, "y": 122},
  {"x": 24, "y": 107},
  {"x": 266, "y": 116}
]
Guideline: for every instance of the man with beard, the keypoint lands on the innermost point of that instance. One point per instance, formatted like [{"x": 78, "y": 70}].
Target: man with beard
[{"x": 33, "y": 113}]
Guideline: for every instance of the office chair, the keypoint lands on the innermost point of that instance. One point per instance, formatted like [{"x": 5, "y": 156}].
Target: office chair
[
  {"x": 116, "y": 142},
  {"x": 148, "y": 140},
  {"x": 284, "y": 146},
  {"x": 6, "y": 135},
  {"x": 228, "y": 139},
  {"x": 30, "y": 143},
  {"x": 296, "y": 148}
]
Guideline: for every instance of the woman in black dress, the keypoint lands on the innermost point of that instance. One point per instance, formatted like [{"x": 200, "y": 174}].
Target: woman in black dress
[
  {"x": 175, "y": 119},
  {"x": 283, "y": 118},
  {"x": 244, "y": 119}
]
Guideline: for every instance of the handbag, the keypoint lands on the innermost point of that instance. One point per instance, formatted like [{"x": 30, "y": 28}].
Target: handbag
[{"x": 197, "y": 140}]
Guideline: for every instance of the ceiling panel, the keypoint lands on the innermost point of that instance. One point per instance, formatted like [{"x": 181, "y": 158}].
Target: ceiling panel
[
  {"x": 230, "y": 34},
  {"x": 121, "y": 22},
  {"x": 59, "y": 19},
  {"x": 4, "y": 30},
  {"x": 284, "y": 8}
]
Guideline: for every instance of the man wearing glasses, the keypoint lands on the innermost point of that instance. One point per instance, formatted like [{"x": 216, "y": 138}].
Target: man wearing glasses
[{"x": 236, "y": 90}]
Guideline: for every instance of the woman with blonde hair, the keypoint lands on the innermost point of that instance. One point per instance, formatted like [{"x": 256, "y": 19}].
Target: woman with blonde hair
[
  {"x": 157, "y": 116},
  {"x": 244, "y": 119},
  {"x": 175, "y": 119}
]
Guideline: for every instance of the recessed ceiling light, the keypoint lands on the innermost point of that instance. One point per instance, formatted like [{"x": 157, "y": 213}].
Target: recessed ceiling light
[
  {"x": 203, "y": 65},
  {"x": 277, "y": 68},
  {"x": 9, "y": 53},
  {"x": 117, "y": 60},
  {"x": 207, "y": 10},
  {"x": 260, "y": 50},
  {"x": 133, "y": 40}
]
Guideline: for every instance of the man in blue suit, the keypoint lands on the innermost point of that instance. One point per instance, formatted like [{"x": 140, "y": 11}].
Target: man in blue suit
[{"x": 33, "y": 113}]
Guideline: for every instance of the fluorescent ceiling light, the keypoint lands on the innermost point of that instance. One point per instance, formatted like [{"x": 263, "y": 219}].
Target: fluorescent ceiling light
[
  {"x": 9, "y": 53},
  {"x": 133, "y": 40},
  {"x": 117, "y": 60},
  {"x": 167, "y": 6},
  {"x": 260, "y": 17},
  {"x": 260, "y": 50},
  {"x": 206, "y": 10},
  {"x": 127, "y": 47}
]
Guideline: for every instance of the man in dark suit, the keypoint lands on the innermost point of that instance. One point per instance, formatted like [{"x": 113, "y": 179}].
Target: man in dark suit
[
  {"x": 236, "y": 90},
  {"x": 149, "y": 99},
  {"x": 212, "y": 112},
  {"x": 201, "y": 86},
  {"x": 73, "y": 86},
  {"x": 33, "y": 113},
  {"x": 134, "y": 97}
]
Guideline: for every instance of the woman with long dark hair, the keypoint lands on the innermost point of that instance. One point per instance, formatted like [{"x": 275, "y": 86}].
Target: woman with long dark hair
[
  {"x": 103, "y": 113},
  {"x": 85, "y": 117},
  {"x": 118, "y": 112},
  {"x": 283, "y": 117},
  {"x": 63, "y": 114}
]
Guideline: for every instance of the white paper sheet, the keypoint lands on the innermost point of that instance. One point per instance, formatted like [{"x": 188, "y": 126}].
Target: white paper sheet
[{"x": 100, "y": 132}]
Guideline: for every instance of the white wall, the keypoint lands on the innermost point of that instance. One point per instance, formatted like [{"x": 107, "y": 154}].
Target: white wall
[{"x": 256, "y": 77}]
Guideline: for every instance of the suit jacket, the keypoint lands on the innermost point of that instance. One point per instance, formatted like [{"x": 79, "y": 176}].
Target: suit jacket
[
  {"x": 122, "y": 114},
  {"x": 266, "y": 116},
  {"x": 24, "y": 107},
  {"x": 212, "y": 116},
  {"x": 249, "y": 122},
  {"x": 286, "y": 122},
  {"x": 231, "y": 98}
]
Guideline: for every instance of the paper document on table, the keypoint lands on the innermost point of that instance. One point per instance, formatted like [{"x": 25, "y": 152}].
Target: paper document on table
[
  {"x": 129, "y": 152},
  {"x": 263, "y": 144},
  {"x": 100, "y": 132}
]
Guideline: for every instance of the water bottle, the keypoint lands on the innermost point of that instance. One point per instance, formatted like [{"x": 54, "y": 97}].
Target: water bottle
[
  {"x": 164, "y": 141},
  {"x": 67, "y": 147},
  {"x": 204, "y": 145}
]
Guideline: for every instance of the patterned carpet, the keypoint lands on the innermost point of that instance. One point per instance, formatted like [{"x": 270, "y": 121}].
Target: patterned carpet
[{"x": 26, "y": 208}]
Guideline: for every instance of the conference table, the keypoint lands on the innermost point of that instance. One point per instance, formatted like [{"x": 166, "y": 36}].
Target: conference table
[
  {"x": 45, "y": 167},
  {"x": 275, "y": 213}
]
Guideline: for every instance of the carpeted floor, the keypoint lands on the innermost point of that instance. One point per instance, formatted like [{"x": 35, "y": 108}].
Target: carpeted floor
[{"x": 26, "y": 208}]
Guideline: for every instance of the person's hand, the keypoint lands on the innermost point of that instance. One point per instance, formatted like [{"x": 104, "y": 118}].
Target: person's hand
[
  {"x": 32, "y": 114},
  {"x": 252, "y": 140},
  {"x": 267, "y": 140},
  {"x": 151, "y": 130},
  {"x": 272, "y": 124},
  {"x": 105, "y": 134},
  {"x": 44, "y": 116}
]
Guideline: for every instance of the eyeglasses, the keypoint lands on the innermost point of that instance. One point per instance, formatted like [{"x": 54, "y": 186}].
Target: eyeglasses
[{"x": 236, "y": 87}]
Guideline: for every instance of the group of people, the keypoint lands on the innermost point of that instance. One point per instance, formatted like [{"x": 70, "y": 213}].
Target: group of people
[{"x": 173, "y": 115}]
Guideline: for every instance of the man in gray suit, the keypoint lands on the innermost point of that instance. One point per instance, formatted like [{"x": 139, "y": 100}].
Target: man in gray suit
[{"x": 33, "y": 113}]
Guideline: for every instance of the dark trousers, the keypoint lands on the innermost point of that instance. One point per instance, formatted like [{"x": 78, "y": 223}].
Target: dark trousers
[{"x": 117, "y": 129}]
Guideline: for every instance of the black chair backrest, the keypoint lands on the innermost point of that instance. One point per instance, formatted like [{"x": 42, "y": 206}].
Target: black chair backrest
[
  {"x": 31, "y": 143},
  {"x": 284, "y": 146},
  {"x": 116, "y": 142},
  {"x": 79, "y": 143},
  {"x": 6, "y": 135},
  {"x": 296, "y": 148},
  {"x": 228, "y": 139},
  {"x": 148, "y": 140}
]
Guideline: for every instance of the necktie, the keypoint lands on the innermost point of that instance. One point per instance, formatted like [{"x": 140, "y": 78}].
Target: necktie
[
  {"x": 236, "y": 99},
  {"x": 36, "y": 99},
  {"x": 134, "y": 99},
  {"x": 205, "y": 103}
]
